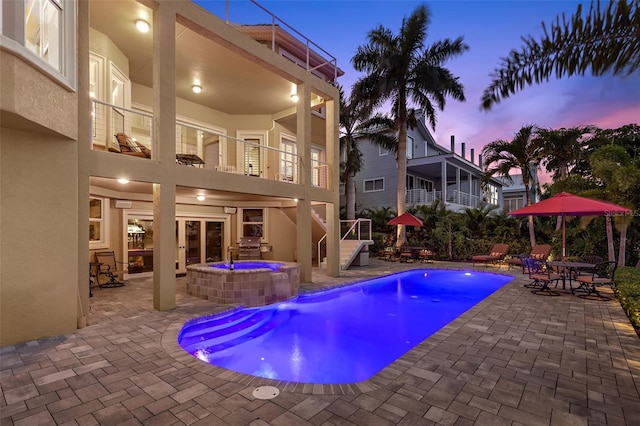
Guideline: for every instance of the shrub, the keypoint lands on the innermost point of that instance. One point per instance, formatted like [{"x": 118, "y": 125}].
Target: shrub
[{"x": 628, "y": 293}]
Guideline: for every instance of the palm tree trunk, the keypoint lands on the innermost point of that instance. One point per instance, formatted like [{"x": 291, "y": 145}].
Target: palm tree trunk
[
  {"x": 532, "y": 233},
  {"x": 612, "y": 254},
  {"x": 402, "y": 175},
  {"x": 622, "y": 255},
  {"x": 350, "y": 193}
]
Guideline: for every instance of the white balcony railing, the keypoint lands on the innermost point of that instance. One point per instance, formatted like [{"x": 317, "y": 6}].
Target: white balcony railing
[
  {"x": 200, "y": 147},
  {"x": 425, "y": 197}
]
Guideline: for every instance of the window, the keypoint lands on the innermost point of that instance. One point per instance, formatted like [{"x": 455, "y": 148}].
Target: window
[
  {"x": 318, "y": 168},
  {"x": 43, "y": 22},
  {"x": 382, "y": 151},
  {"x": 409, "y": 147},
  {"x": 288, "y": 160},
  {"x": 511, "y": 204},
  {"x": 43, "y": 35},
  {"x": 373, "y": 185},
  {"x": 98, "y": 221},
  {"x": 492, "y": 195},
  {"x": 253, "y": 223}
]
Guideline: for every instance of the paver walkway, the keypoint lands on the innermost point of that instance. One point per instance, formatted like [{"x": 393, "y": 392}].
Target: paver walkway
[{"x": 513, "y": 359}]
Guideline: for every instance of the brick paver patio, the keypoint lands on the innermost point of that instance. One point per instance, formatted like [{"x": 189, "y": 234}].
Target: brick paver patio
[{"x": 514, "y": 359}]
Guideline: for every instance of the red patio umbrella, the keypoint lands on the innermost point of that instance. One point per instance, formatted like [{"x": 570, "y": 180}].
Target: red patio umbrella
[
  {"x": 566, "y": 204},
  {"x": 407, "y": 219}
]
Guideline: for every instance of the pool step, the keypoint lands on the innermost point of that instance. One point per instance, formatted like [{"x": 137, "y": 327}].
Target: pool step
[
  {"x": 223, "y": 321},
  {"x": 278, "y": 317},
  {"x": 223, "y": 334}
]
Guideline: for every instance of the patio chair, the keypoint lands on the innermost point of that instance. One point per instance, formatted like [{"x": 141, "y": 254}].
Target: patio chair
[
  {"x": 108, "y": 268},
  {"x": 128, "y": 146},
  {"x": 406, "y": 253},
  {"x": 498, "y": 252},
  {"x": 389, "y": 254},
  {"x": 425, "y": 255},
  {"x": 539, "y": 251},
  {"x": 603, "y": 274},
  {"x": 542, "y": 275}
]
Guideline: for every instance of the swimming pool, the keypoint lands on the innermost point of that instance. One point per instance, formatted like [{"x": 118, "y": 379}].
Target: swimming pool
[{"x": 343, "y": 335}]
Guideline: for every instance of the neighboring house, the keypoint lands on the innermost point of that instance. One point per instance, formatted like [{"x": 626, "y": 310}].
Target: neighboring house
[
  {"x": 433, "y": 173},
  {"x": 515, "y": 195},
  {"x": 211, "y": 141}
]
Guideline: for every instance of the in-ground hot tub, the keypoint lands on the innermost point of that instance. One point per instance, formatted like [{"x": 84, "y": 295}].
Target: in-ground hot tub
[{"x": 251, "y": 283}]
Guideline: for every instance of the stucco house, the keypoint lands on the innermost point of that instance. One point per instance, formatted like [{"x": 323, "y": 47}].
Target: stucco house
[{"x": 163, "y": 132}]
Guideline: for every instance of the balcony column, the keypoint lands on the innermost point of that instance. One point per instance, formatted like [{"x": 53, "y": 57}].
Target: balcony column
[
  {"x": 304, "y": 227},
  {"x": 458, "y": 185},
  {"x": 333, "y": 209},
  {"x": 443, "y": 180},
  {"x": 164, "y": 149}
]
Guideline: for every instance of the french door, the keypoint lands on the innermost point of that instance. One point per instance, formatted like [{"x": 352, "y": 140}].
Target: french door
[{"x": 200, "y": 240}]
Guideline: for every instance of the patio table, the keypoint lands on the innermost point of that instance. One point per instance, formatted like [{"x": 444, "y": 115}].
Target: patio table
[{"x": 567, "y": 268}]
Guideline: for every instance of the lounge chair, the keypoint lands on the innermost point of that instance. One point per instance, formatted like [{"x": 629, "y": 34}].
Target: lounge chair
[
  {"x": 128, "y": 146},
  {"x": 497, "y": 253},
  {"x": 539, "y": 252}
]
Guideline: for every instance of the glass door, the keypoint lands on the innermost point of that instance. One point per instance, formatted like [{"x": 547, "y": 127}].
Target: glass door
[{"x": 198, "y": 241}]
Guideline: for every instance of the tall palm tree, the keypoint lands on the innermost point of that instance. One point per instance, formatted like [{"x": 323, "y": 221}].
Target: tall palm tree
[
  {"x": 603, "y": 41},
  {"x": 401, "y": 69},
  {"x": 356, "y": 121},
  {"x": 522, "y": 152},
  {"x": 561, "y": 150}
]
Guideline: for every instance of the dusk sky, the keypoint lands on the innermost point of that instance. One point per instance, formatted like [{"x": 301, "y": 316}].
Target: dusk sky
[{"x": 491, "y": 29}]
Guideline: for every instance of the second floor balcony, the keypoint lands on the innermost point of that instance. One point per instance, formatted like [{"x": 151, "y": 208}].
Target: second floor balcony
[
  {"x": 129, "y": 132},
  {"x": 453, "y": 198}
]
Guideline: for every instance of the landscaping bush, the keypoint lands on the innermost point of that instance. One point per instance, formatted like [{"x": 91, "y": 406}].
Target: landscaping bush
[{"x": 628, "y": 293}]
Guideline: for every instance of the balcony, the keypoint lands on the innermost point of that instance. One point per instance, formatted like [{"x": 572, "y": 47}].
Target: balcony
[
  {"x": 130, "y": 132},
  {"x": 425, "y": 197}
]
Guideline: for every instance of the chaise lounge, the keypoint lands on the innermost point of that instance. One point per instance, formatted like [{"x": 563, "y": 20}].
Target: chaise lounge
[{"x": 498, "y": 252}]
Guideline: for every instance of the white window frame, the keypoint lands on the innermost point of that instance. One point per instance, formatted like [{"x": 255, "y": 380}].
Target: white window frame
[
  {"x": 262, "y": 137},
  {"x": 364, "y": 184},
  {"x": 318, "y": 172},
  {"x": 264, "y": 223},
  {"x": 410, "y": 147},
  {"x": 491, "y": 194},
  {"x": 288, "y": 159},
  {"x": 382, "y": 151},
  {"x": 103, "y": 222},
  {"x": 13, "y": 39}
]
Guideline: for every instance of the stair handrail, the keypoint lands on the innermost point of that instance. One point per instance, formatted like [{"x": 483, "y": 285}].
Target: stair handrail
[
  {"x": 358, "y": 223},
  {"x": 324, "y": 237}
]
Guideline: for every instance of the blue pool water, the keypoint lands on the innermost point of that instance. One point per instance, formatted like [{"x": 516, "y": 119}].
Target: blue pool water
[
  {"x": 343, "y": 335},
  {"x": 241, "y": 266}
]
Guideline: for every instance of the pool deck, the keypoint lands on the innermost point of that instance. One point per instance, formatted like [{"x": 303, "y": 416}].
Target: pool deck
[{"x": 514, "y": 359}]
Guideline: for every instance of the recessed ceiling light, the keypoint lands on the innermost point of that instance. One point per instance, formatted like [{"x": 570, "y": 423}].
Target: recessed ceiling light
[
  {"x": 201, "y": 197},
  {"x": 196, "y": 88},
  {"x": 294, "y": 97},
  {"x": 143, "y": 26},
  {"x": 123, "y": 181}
]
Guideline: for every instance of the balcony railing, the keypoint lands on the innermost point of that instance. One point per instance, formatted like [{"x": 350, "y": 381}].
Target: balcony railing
[
  {"x": 200, "y": 147},
  {"x": 248, "y": 19},
  {"x": 425, "y": 197},
  {"x": 358, "y": 229}
]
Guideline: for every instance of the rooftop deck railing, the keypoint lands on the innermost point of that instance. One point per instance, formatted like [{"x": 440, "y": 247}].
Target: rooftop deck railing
[{"x": 312, "y": 48}]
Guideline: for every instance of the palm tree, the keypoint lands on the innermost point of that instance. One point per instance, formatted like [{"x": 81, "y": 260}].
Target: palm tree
[
  {"x": 561, "y": 150},
  {"x": 522, "y": 153},
  {"x": 402, "y": 69},
  {"x": 603, "y": 41},
  {"x": 356, "y": 122}
]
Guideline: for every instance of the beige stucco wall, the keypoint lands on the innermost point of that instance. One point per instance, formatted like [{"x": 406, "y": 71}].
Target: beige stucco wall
[
  {"x": 29, "y": 100},
  {"x": 38, "y": 235},
  {"x": 102, "y": 45}
]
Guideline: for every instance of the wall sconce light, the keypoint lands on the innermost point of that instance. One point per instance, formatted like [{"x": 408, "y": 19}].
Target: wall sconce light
[
  {"x": 196, "y": 88},
  {"x": 294, "y": 97},
  {"x": 201, "y": 197},
  {"x": 143, "y": 26}
]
